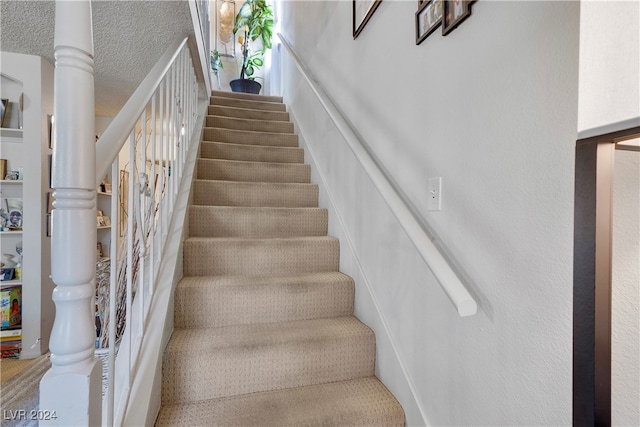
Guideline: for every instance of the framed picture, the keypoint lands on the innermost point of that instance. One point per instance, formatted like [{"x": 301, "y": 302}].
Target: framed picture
[
  {"x": 454, "y": 12},
  {"x": 225, "y": 19},
  {"x": 50, "y": 129},
  {"x": 14, "y": 211},
  {"x": 49, "y": 202},
  {"x": 107, "y": 221},
  {"x": 4, "y": 104},
  {"x": 428, "y": 19},
  {"x": 362, "y": 11},
  {"x": 50, "y": 161}
]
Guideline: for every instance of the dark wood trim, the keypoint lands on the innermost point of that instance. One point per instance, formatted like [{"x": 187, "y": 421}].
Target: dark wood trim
[
  {"x": 603, "y": 260},
  {"x": 612, "y": 137},
  {"x": 584, "y": 285},
  {"x": 592, "y": 283}
]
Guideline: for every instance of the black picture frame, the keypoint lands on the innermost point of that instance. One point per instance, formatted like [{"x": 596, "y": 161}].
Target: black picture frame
[
  {"x": 428, "y": 19},
  {"x": 454, "y": 13},
  {"x": 362, "y": 12}
]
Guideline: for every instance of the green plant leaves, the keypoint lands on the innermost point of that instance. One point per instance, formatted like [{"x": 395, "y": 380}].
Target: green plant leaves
[{"x": 257, "y": 16}]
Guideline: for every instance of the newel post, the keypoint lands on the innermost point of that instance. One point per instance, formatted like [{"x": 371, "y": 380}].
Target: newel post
[{"x": 72, "y": 387}]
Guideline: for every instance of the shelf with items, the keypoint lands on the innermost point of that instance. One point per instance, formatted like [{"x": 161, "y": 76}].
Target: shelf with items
[
  {"x": 11, "y": 321},
  {"x": 4, "y": 232},
  {"x": 11, "y": 135},
  {"x": 26, "y": 146},
  {"x": 10, "y": 283}
]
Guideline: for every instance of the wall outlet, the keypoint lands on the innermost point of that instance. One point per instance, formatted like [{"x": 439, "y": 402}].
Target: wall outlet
[{"x": 435, "y": 192}]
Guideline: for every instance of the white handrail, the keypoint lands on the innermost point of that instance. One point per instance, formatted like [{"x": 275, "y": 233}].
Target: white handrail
[
  {"x": 114, "y": 137},
  {"x": 448, "y": 280}
]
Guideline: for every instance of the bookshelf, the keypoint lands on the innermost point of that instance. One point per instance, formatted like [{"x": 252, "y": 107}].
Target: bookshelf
[{"x": 25, "y": 145}]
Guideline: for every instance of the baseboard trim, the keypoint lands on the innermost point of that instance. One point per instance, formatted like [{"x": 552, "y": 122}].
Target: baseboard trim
[{"x": 333, "y": 210}]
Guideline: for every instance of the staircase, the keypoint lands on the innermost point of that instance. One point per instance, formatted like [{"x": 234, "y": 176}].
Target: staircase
[{"x": 264, "y": 326}]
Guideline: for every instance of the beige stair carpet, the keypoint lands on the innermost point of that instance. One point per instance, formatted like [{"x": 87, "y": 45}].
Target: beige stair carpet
[{"x": 264, "y": 327}]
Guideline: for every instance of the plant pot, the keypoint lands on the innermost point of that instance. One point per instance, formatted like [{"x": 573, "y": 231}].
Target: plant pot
[{"x": 245, "y": 85}]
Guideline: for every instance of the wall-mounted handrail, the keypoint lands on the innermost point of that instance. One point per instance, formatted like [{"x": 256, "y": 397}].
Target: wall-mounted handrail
[{"x": 448, "y": 280}]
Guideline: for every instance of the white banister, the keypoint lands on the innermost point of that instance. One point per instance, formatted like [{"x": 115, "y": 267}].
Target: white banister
[
  {"x": 71, "y": 387},
  {"x": 448, "y": 280},
  {"x": 158, "y": 123},
  {"x": 116, "y": 134}
]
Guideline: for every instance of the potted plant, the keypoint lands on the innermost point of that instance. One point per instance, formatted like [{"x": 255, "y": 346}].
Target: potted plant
[
  {"x": 216, "y": 65},
  {"x": 255, "y": 20}
]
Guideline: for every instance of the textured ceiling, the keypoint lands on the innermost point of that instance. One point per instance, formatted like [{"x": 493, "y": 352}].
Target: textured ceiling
[{"x": 129, "y": 37}]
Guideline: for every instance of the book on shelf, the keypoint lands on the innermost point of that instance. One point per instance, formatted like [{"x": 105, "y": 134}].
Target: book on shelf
[
  {"x": 11, "y": 307},
  {"x": 10, "y": 334},
  {"x": 10, "y": 353},
  {"x": 10, "y": 345}
]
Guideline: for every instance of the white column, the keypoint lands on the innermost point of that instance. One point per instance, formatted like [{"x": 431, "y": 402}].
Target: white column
[{"x": 72, "y": 387}]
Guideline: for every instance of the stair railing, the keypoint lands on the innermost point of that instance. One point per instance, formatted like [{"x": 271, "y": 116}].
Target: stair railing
[
  {"x": 141, "y": 206},
  {"x": 453, "y": 287},
  {"x": 144, "y": 151}
]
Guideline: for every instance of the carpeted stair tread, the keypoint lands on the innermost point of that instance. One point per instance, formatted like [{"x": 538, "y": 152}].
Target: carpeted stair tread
[
  {"x": 241, "y": 359},
  {"x": 247, "y": 103},
  {"x": 213, "y": 301},
  {"x": 232, "y": 193},
  {"x": 264, "y": 332},
  {"x": 234, "y": 170},
  {"x": 362, "y": 402},
  {"x": 238, "y": 221},
  {"x": 249, "y": 124},
  {"x": 251, "y": 153},
  {"x": 247, "y": 113},
  {"x": 212, "y": 256},
  {"x": 250, "y": 137},
  {"x": 248, "y": 96}
]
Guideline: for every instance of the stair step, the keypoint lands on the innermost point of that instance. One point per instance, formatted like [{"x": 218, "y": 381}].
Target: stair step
[
  {"x": 217, "y": 256},
  {"x": 359, "y": 402},
  {"x": 219, "y": 110},
  {"x": 250, "y": 137},
  {"x": 247, "y": 103},
  {"x": 209, "y": 363},
  {"x": 249, "y": 96},
  {"x": 249, "y": 124},
  {"x": 213, "y": 301},
  {"x": 255, "y": 153},
  {"x": 254, "y": 194},
  {"x": 233, "y": 170},
  {"x": 231, "y": 221}
]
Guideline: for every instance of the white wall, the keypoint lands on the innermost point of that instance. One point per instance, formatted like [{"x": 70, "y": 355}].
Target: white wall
[
  {"x": 625, "y": 303},
  {"x": 609, "y": 63},
  {"x": 492, "y": 109}
]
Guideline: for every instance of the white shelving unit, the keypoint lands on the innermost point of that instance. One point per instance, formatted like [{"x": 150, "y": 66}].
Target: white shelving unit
[
  {"x": 103, "y": 204},
  {"x": 27, "y": 148}
]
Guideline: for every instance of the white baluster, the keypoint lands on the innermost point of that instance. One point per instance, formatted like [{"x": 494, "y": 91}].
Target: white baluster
[
  {"x": 113, "y": 272},
  {"x": 152, "y": 233},
  {"x": 72, "y": 387}
]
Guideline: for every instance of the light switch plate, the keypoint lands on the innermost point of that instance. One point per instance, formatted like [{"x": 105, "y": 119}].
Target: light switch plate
[{"x": 435, "y": 194}]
